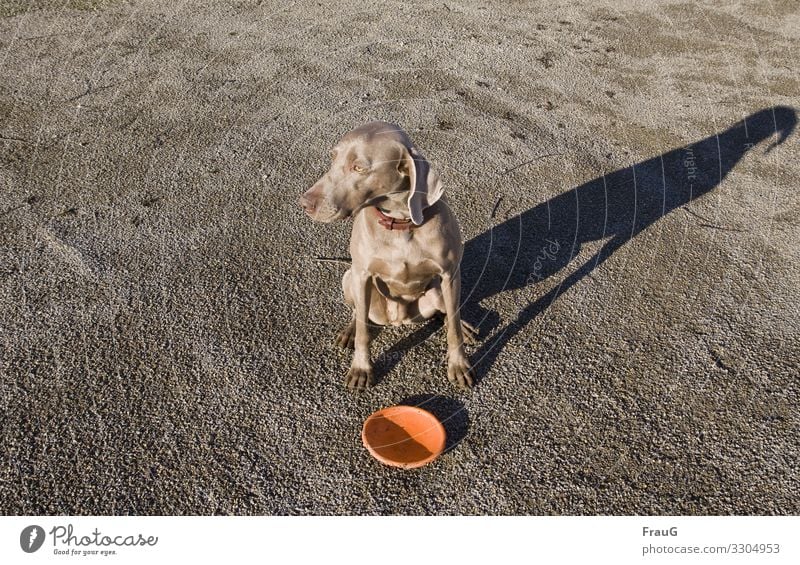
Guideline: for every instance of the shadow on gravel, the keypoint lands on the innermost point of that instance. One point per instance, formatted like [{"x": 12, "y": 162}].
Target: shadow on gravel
[
  {"x": 450, "y": 412},
  {"x": 540, "y": 242}
]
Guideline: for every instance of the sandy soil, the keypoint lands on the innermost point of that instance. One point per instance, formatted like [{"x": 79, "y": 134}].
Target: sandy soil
[{"x": 166, "y": 332}]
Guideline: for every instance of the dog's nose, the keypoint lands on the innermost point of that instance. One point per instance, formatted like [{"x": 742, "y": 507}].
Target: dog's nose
[{"x": 308, "y": 204}]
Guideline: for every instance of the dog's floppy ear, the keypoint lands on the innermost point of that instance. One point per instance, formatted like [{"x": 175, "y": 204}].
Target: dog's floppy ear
[{"x": 425, "y": 188}]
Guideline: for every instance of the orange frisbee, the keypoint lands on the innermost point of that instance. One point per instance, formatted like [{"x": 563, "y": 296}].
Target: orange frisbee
[{"x": 403, "y": 436}]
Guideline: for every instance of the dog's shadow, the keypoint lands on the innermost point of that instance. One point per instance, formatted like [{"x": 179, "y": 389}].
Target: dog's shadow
[{"x": 616, "y": 207}]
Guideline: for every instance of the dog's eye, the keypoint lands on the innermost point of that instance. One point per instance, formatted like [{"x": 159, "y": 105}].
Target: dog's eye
[{"x": 359, "y": 169}]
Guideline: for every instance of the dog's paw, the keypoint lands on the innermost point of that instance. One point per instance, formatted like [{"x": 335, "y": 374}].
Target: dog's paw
[
  {"x": 346, "y": 338},
  {"x": 469, "y": 332},
  {"x": 359, "y": 379},
  {"x": 460, "y": 373}
]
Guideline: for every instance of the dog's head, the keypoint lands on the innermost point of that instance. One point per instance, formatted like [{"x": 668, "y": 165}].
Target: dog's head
[{"x": 374, "y": 165}]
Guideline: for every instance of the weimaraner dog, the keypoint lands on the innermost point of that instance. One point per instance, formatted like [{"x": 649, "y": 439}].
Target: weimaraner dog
[{"x": 406, "y": 243}]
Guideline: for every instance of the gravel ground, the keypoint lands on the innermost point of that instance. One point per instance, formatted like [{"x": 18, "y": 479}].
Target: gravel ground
[{"x": 166, "y": 332}]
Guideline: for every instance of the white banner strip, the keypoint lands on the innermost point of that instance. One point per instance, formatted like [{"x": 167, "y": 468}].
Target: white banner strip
[{"x": 390, "y": 540}]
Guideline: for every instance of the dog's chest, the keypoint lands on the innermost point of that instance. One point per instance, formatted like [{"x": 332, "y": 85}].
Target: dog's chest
[{"x": 402, "y": 272}]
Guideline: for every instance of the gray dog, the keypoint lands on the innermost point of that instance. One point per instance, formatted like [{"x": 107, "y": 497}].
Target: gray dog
[{"x": 406, "y": 243}]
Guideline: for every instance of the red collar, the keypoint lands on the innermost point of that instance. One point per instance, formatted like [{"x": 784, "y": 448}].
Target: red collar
[{"x": 393, "y": 223}]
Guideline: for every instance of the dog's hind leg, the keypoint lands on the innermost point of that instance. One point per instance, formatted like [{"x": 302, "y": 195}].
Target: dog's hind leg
[
  {"x": 470, "y": 332},
  {"x": 377, "y": 314},
  {"x": 432, "y": 303},
  {"x": 346, "y": 337}
]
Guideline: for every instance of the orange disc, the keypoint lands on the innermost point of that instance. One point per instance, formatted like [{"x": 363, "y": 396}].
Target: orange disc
[{"x": 403, "y": 436}]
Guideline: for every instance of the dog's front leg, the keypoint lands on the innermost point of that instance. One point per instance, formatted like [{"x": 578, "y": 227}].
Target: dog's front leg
[
  {"x": 360, "y": 375},
  {"x": 459, "y": 370}
]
